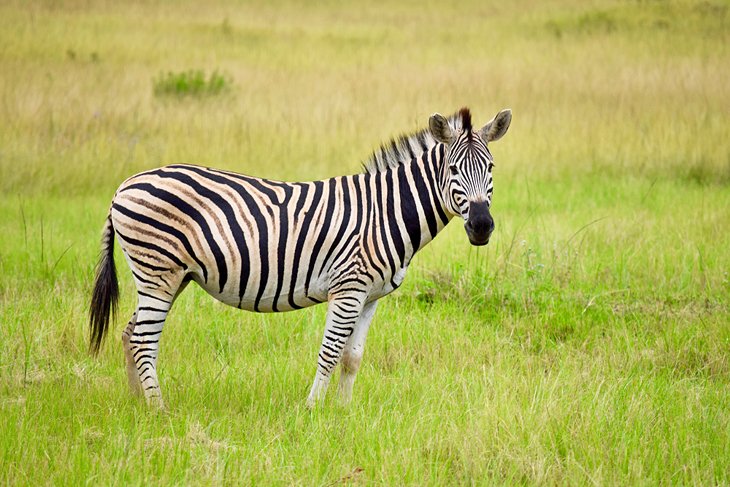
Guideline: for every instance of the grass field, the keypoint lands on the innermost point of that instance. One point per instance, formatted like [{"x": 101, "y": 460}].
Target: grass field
[{"x": 589, "y": 343}]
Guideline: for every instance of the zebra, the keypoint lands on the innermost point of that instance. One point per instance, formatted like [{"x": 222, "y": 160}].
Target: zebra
[{"x": 270, "y": 246}]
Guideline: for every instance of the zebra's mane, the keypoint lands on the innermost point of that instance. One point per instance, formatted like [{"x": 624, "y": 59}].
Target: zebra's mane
[{"x": 404, "y": 148}]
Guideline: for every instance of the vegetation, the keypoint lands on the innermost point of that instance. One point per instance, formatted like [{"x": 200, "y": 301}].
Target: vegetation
[
  {"x": 190, "y": 83},
  {"x": 589, "y": 343}
]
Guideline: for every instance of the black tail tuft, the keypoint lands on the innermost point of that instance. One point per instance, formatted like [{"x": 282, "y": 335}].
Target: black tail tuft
[{"x": 106, "y": 290}]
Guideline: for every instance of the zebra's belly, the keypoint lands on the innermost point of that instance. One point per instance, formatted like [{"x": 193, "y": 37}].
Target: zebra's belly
[{"x": 271, "y": 300}]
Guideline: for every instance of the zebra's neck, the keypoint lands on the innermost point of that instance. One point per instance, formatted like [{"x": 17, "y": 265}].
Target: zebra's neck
[{"x": 409, "y": 205}]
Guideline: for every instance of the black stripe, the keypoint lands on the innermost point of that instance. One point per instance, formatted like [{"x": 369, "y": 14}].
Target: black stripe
[
  {"x": 395, "y": 234},
  {"x": 283, "y": 224},
  {"x": 349, "y": 280},
  {"x": 341, "y": 335},
  {"x": 140, "y": 293},
  {"x": 148, "y": 322},
  {"x": 146, "y": 333},
  {"x": 360, "y": 211},
  {"x": 150, "y": 308},
  {"x": 148, "y": 266},
  {"x": 347, "y": 289},
  {"x": 408, "y": 208},
  {"x": 422, "y": 191},
  {"x": 142, "y": 342}
]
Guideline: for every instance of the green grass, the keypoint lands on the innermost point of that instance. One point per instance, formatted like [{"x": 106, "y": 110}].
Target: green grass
[
  {"x": 192, "y": 82},
  {"x": 589, "y": 343}
]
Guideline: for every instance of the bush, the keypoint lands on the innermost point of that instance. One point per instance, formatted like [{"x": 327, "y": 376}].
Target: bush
[{"x": 191, "y": 83}]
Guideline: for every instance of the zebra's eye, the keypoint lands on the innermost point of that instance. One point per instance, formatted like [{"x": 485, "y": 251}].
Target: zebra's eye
[
  {"x": 454, "y": 170},
  {"x": 490, "y": 166}
]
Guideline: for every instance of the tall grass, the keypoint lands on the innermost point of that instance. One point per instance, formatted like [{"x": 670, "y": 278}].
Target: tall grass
[{"x": 587, "y": 344}]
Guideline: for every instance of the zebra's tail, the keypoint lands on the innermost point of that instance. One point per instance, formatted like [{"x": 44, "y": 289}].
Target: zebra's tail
[{"x": 106, "y": 290}]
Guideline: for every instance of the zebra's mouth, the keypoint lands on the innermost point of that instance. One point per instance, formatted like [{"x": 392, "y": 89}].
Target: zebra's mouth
[
  {"x": 478, "y": 240},
  {"x": 479, "y": 234}
]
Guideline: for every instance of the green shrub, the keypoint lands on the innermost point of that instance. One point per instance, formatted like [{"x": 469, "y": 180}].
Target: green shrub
[{"x": 191, "y": 83}]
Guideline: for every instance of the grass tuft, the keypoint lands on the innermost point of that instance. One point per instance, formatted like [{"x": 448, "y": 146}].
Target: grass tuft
[{"x": 191, "y": 83}]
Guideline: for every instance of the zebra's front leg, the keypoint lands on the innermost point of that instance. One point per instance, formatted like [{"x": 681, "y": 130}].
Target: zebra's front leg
[
  {"x": 342, "y": 315},
  {"x": 353, "y": 352}
]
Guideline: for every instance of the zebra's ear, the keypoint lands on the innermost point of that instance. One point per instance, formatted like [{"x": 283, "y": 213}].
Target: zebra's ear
[
  {"x": 440, "y": 128},
  {"x": 497, "y": 127}
]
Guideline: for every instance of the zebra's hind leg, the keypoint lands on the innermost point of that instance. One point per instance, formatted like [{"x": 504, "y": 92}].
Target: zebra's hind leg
[
  {"x": 144, "y": 344},
  {"x": 132, "y": 375},
  {"x": 342, "y": 315},
  {"x": 353, "y": 352}
]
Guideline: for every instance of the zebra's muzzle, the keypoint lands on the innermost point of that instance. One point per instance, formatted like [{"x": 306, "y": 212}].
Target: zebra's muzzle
[{"x": 480, "y": 225}]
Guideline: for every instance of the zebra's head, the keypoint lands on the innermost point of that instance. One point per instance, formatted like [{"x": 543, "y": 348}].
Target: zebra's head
[{"x": 466, "y": 179}]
